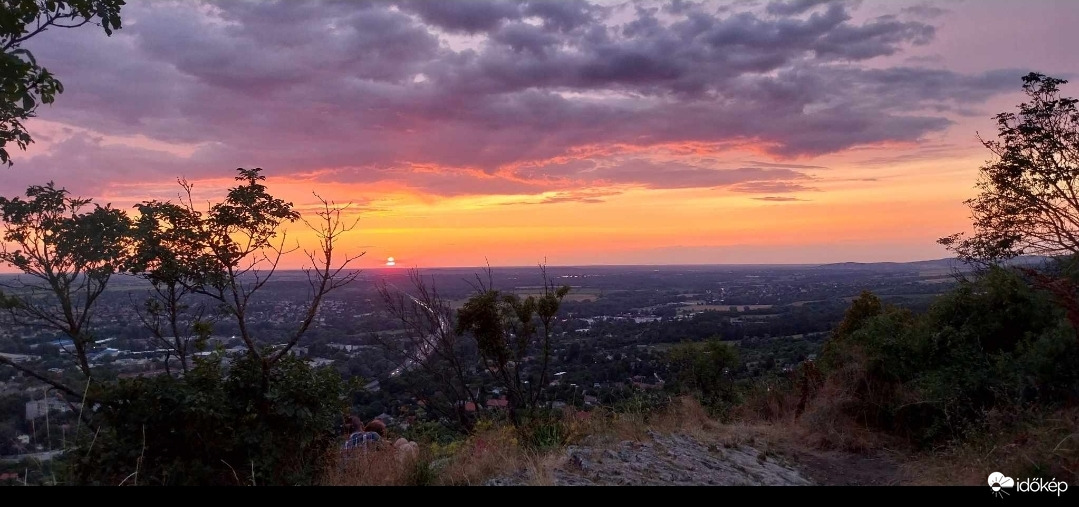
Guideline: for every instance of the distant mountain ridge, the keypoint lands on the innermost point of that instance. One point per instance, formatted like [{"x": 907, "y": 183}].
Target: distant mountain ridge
[{"x": 949, "y": 263}]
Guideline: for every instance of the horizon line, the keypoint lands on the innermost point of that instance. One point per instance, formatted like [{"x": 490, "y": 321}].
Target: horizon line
[
  {"x": 615, "y": 265},
  {"x": 4, "y": 272}
]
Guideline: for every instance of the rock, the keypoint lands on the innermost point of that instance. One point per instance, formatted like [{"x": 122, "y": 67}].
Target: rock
[{"x": 672, "y": 459}]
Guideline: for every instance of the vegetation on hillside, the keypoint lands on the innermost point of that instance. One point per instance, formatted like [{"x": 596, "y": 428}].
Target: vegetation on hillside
[{"x": 267, "y": 411}]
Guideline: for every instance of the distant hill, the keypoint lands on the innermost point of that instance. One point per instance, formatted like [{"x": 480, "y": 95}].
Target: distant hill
[{"x": 947, "y": 264}]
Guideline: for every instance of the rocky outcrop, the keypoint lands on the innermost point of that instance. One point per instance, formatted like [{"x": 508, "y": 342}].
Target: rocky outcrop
[{"x": 675, "y": 460}]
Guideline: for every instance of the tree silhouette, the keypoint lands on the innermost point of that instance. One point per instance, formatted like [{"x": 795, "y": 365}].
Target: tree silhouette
[
  {"x": 1028, "y": 200},
  {"x": 436, "y": 362},
  {"x": 25, "y": 84},
  {"x": 168, "y": 254},
  {"x": 67, "y": 256},
  {"x": 507, "y": 329},
  {"x": 229, "y": 253}
]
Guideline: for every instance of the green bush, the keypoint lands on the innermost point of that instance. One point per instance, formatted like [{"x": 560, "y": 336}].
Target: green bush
[
  {"x": 705, "y": 370},
  {"x": 429, "y": 432},
  {"x": 215, "y": 427},
  {"x": 543, "y": 433},
  {"x": 992, "y": 342}
]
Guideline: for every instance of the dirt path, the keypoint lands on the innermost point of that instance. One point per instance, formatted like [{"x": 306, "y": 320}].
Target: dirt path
[{"x": 831, "y": 468}]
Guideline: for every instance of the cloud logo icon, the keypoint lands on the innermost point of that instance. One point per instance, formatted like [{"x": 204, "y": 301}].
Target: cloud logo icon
[{"x": 998, "y": 481}]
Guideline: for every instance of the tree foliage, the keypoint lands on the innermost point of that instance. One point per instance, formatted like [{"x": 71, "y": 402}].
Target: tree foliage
[
  {"x": 993, "y": 343},
  {"x": 1028, "y": 193},
  {"x": 442, "y": 362},
  {"x": 24, "y": 83},
  {"x": 168, "y": 255},
  {"x": 267, "y": 412},
  {"x": 1028, "y": 200},
  {"x": 68, "y": 249},
  {"x": 228, "y": 253},
  {"x": 866, "y": 305},
  {"x": 508, "y": 329},
  {"x": 209, "y": 428},
  {"x": 705, "y": 370}
]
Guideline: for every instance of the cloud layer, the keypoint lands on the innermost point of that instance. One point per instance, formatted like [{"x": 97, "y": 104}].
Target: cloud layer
[{"x": 494, "y": 97}]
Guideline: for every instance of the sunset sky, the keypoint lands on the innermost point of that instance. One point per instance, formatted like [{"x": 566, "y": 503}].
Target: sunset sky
[{"x": 609, "y": 132}]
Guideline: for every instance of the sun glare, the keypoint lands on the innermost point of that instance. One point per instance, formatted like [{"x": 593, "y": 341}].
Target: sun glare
[{"x": 391, "y": 262}]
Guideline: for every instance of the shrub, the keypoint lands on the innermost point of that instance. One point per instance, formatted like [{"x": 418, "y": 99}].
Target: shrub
[
  {"x": 215, "y": 427},
  {"x": 770, "y": 398},
  {"x": 992, "y": 342},
  {"x": 705, "y": 371}
]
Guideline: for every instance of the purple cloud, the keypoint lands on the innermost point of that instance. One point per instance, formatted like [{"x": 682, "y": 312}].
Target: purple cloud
[
  {"x": 369, "y": 91},
  {"x": 468, "y": 16},
  {"x": 792, "y": 7}
]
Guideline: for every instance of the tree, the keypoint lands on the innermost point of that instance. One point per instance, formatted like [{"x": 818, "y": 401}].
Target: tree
[
  {"x": 862, "y": 308},
  {"x": 705, "y": 370},
  {"x": 435, "y": 362},
  {"x": 24, "y": 84},
  {"x": 267, "y": 409},
  {"x": 231, "y": 252},
  {"x": 1028, "y": 200},
  {"x": 169, "y": 256},
  {"x": 507, "y": 329},
  {"x": 68, "y": 254}
]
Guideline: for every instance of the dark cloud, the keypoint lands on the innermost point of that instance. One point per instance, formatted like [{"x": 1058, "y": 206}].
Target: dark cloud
[
  {"x": 879, "y": 37},
  {"x": 525, "y": 37},
  {"x": 542, "y": 95},
  {"x": 793, "y": 7},
  {"x": 925, "y": 11},
  {"x": 469, "y": 16},
  {"x": 682, "y": 6},
  {"x": 562, "y": 15}
]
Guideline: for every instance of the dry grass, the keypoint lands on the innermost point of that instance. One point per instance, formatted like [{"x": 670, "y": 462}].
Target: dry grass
[
  {"x": 683, "y": 415},
  {"x": 828, "y": 425},
  {"x": 490, "y": 452},
  {"x": 540, "y": 467},
  {"x": 1024, "y": 445},
  {"x": 1027, "y": 443},
  {"x": 497, "y": 451},
  {"x": 486, "y": 454},
  {"x": 378, "y": 465},
  {"x": 1019, "y": 445}
]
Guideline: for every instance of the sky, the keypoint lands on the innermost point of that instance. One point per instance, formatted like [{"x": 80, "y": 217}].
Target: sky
[{"x": 568, "y": 132}]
